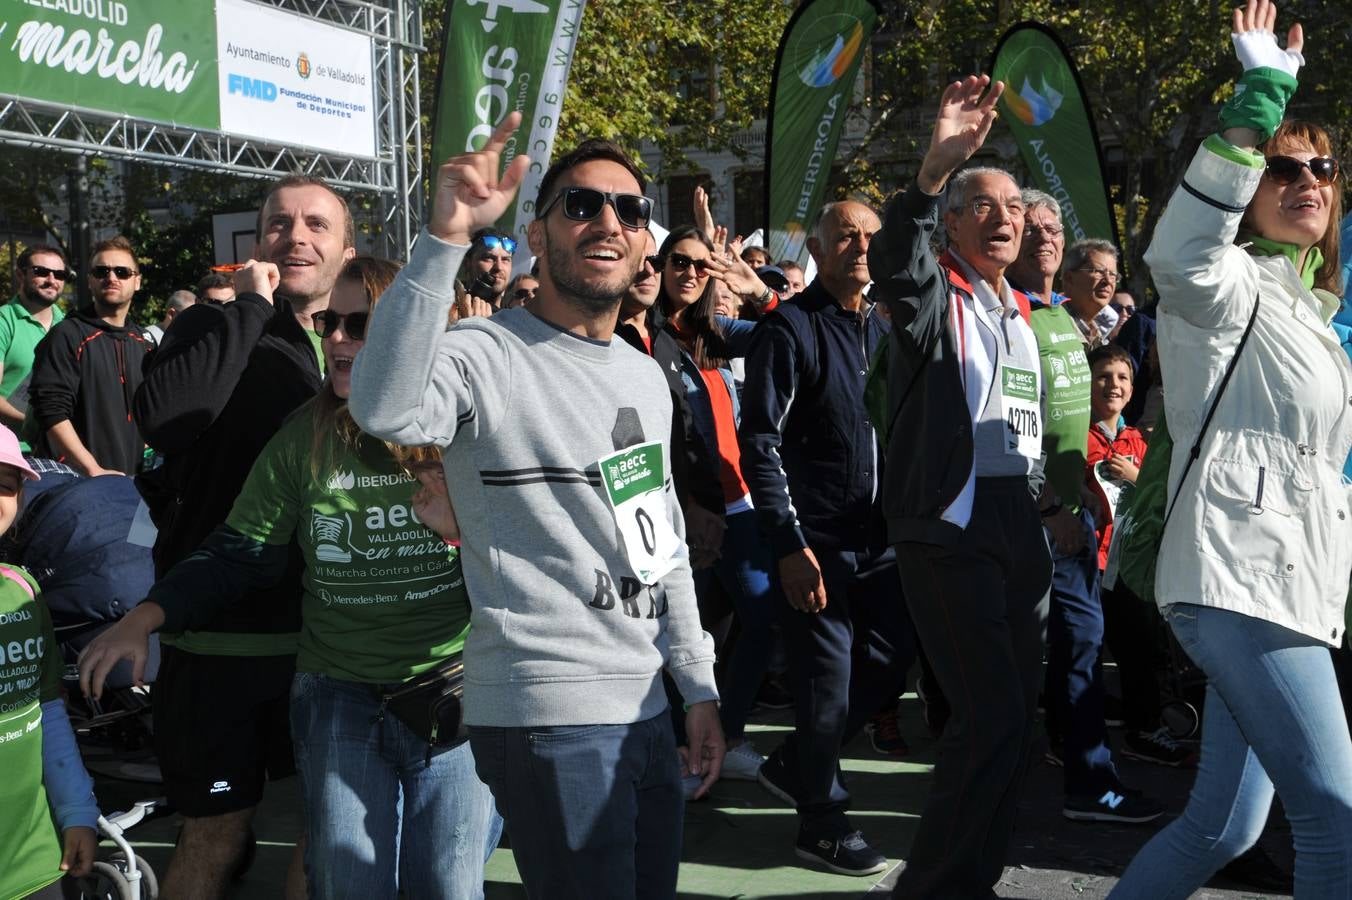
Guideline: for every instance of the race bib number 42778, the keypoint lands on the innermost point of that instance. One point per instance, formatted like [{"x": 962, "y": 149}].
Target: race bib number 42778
[
  {"x": 634, "y": 480},
  {"x": 1019, "y": 402}
]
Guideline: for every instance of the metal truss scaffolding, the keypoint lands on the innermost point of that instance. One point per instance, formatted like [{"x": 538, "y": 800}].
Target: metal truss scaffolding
[{"x": 394, "y": 176}]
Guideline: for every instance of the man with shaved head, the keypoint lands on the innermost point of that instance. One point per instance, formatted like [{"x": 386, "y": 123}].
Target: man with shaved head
[{"x": 812, "y": 461}]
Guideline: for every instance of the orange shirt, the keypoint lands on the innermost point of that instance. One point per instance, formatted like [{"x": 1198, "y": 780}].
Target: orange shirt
[{"x": 725, "y": 429}]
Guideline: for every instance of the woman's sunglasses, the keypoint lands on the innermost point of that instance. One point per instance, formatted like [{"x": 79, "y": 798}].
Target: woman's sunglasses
[
  {"x": 680, "y": 262},
  {"x": 582, "y": 204},
  {"x": 1286, "y": 169},
  {"x": 354, "y": 324}
]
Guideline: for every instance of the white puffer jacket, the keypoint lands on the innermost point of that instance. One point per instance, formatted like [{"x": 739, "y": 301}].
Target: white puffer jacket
[{"x": 1262, "y": 523}]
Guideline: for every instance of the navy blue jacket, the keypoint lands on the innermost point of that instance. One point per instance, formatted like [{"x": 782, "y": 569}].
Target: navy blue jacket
[{"x": 809, "y": 452}]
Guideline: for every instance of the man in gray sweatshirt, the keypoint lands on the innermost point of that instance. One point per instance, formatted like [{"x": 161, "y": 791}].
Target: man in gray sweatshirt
[{"x": 554, "y": 441}]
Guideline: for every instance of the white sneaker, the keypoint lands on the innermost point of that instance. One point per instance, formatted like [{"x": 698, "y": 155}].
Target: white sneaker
[{"x": 742, "y": 763}]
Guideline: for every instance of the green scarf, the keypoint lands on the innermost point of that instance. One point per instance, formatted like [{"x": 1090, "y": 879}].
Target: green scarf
[{"x": 1261, "y": 246}]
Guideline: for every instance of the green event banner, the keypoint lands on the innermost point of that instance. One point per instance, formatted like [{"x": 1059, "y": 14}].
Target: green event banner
[
  {"x": 814, "y": 74},
  {"x": 1045, "y": 107},
  {"x": 148, "y": 59},
  {"x": 501, "y": 56}
]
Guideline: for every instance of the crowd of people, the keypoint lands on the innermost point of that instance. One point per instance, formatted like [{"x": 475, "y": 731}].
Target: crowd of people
[{"x": 473, "y": 553}]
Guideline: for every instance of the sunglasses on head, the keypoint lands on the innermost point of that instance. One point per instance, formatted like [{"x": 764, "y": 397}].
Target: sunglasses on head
[
  {"x": 494, "y": 242},
  {"x": 582, "y": 204},
  {"x": 43, "y": 272},
  {"x": 1286, "y": 169},
  {"x": 680, "y": 262},
  {"x": 353, "y": 324},
  {"x": 122, "y": 272}
]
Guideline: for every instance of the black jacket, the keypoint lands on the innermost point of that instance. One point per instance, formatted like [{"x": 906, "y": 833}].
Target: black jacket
[
  {"x": 87, "y": 371},
  {"x": 809, "y": 452},
  {"x": 221, "y": 384},
  {"x": 693, "y": 473},
  {"x": 930, "y": 452}
]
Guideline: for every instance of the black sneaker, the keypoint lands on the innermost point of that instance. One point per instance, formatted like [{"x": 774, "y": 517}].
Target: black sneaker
[
  {"x": 1158, "y": 747},
  {"x": 1114, "y": 805},
  {"x": 1114, "y": 716},
  {"x": 849, "y": 854},
  {"x": 775, "y": 777}
]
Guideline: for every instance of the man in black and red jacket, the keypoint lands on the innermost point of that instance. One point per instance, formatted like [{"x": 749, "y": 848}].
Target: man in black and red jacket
[{"x": 86, "y": 370}]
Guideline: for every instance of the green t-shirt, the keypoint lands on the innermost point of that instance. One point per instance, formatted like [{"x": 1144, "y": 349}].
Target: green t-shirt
[
  {"x": 19, "y": 335},
  {"x": 384, "y": 598},
  {"x": 30, "y": 675},
  {"x": 1067, "y": 380},
  {"x": 319, "y": 347}
]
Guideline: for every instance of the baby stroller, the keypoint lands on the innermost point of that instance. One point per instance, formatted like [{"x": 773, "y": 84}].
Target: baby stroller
[{"x": 75, "y": 537}]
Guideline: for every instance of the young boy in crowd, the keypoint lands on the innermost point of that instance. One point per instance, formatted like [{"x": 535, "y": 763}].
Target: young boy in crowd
[
  {"x": 46, "y": 797},
  {"x": 1112, "y": 463},
  {"x": 1115, "y": 449}
]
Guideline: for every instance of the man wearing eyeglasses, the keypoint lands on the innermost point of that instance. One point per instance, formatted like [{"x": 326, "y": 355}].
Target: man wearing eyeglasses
[
  {"x": 217, "y": 389},
  {"x": 24, "y": 321},
  {"x": 488, "y": 265},
  {"x": 555, "y": 445},
  {"x": 1090, "y": 279},
  {"x": 965, "y": 398},
  {"x": 86, "y": 370}
]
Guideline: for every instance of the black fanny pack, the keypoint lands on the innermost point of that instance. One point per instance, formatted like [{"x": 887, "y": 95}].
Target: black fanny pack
[{"x": 429, "y": 705}]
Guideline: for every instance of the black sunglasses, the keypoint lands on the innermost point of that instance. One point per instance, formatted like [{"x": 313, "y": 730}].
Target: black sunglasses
[
  {"x": 680, "y": 262},
  {"x": 582, "y": 204},
  {"x": 43, "y": 272},
  {"x": 354, "y": 324},
  {"x": 122, "y": 272},
  {"x": 494, "y": 242},
  {"x": 654, "y": 261},
  {"x": 1286, "y": 169}
]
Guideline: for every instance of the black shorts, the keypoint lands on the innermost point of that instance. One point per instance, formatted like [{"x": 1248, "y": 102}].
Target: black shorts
[{"x": 221, "y": 728}]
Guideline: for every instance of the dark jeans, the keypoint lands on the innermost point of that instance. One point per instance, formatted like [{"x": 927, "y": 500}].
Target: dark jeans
[
  {"x": 593, "y": 811},
  {"x": 977, "y": 608},
  {"x": 843, "y": 662},
  {"x": 1132, "y": 630},
  {"x": 1075, "y": 668},
  {"x": 744, "y": 572}
]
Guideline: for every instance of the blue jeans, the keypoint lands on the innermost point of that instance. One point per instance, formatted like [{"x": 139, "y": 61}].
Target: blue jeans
[
  {"x": 1273, "y": 718},
  {"x": 744, "y": 572},
  {"x": 378, "y": 819},
  {"x": 594, "y": 812},
  {"x": 1074, "y": 682}
]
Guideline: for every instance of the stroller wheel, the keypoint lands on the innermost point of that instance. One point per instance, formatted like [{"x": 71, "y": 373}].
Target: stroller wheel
[
  {"x": 1180, "y": 717},
  {"x": 150, "y": 885},
  {"x": 104, "y": 882}
]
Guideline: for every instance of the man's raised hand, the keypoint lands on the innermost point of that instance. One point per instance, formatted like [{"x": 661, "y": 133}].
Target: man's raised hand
[
  {"x": 965, "y": 119},
  {"x": 469, "y": 195}
]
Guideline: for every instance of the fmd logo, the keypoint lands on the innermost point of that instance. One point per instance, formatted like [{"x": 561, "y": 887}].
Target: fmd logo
[{"x": 253, "y": 88}]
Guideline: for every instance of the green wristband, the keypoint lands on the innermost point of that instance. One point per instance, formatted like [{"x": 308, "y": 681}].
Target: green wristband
[{"x": 1259, "y": 102}]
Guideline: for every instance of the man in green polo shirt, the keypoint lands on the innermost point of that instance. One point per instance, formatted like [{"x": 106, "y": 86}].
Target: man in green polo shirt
[{"x": 24, "y": 321}]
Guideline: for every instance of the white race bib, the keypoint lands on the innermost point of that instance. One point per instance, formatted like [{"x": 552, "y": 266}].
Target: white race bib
[
  {"x": 634, "y": 480},
  {"x": 1021, "y": 410}
]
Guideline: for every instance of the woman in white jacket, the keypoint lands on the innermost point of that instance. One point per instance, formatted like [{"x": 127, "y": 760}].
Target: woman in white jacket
[{"x": 1253, "y": 570}]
